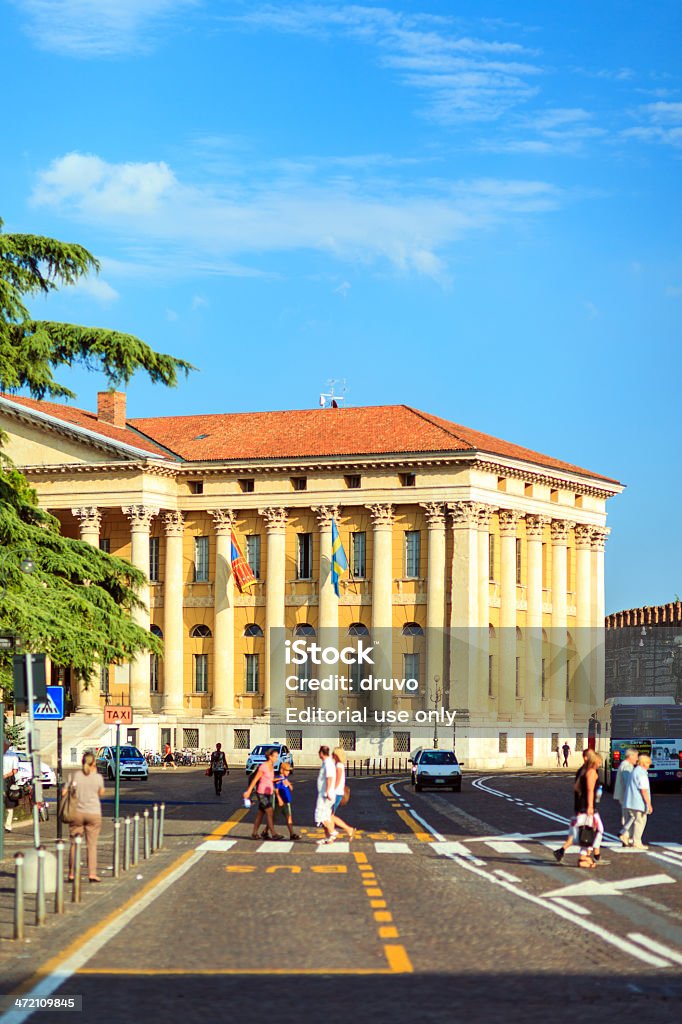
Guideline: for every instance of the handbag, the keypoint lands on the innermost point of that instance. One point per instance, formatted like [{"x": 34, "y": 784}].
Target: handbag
[
  {"x": 209, "y": 771},
  {"x": 67, "y": 810},
  {"x": 586, "y": 833},
  {"x": 346, "y": 796}
]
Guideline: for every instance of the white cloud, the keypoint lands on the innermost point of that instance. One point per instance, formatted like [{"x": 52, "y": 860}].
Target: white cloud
[
  {"x": 660, "y": 122},
  {"x": 462, "y": 77},
  {"x": 199, "y": 302},
  {"x": 97, "y": 28},
  {"x": 162, "y": 220},
  {"x": 343, "y": 289},
  {"x": 556, "y": 130},
  {"x": 96, "y": 288}
]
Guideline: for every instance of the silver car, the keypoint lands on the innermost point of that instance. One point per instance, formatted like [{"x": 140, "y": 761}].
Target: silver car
[
  {"x": 132, "y": 765},
  {"x": 437, "y": 768}
]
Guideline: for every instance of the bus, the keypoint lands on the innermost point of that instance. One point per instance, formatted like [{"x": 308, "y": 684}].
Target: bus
[{"x": 651, "y": 725}]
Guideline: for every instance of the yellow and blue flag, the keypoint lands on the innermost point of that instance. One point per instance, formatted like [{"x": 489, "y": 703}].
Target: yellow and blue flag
[{"x": 339, "y": 560}]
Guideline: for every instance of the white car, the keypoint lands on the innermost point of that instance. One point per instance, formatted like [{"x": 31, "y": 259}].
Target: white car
[
  {"x": 437, "y": 768},
  {"x": 25, "y": 773}
]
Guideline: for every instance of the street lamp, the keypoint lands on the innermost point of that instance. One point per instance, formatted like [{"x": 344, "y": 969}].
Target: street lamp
[{"x": 435, "y": 700}]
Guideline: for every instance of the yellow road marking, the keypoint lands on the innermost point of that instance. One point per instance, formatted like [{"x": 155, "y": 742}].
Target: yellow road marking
[
  {"x": 377, "y": 904},
  {"x": 398, "y": 960},
  {"x": 240, "y": 869},
  {"x": 220, "y": 971},
  {"x": 228, "y": 825},
  {"x": 294, "y": 868},
  {"x": 329, "y": 869},
  {"x": 374, "y": 892},
  {"x": 383, "y": 915},
  {"x": 360, "y": 858},
  {"x": 388, "y": 932}
]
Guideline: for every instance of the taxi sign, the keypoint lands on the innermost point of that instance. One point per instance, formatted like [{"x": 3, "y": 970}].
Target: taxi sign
[{"x": 118, "y": 714}]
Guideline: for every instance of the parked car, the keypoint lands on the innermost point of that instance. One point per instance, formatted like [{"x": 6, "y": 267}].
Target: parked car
[
  {"x": 25, "y": 773},
  {"x": 257, "y": 756},
  {"x": 133, "y": 763},
  {"x": 437, "y": 768}
]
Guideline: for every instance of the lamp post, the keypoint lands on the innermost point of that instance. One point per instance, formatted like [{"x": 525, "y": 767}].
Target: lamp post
[{"x": 435, "y": 700}]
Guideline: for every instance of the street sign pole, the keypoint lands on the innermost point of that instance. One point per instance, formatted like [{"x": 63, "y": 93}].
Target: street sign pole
[
  {"x": 117, "y": 788},
  {"x": 36, "y": 782},
  {"x": 59, "y": 780}
]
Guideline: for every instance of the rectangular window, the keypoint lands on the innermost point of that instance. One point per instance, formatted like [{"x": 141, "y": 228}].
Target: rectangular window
[
  {"x": 294, "y": 739},
  {"x": 201, "y": 559},
  {"x": 201, "y": 673},
  {"x": 247, "y": 486},
  {"x": 491, "y": 675},
  {"x": 190, "y": 738},
  {"x": 153, "y": 673},
  {"x": 105, "y": 545},
  {"x": 154, "y": 552},
  {"x": 579, "y": 741},
  {"x": 518, "y": 561},
  {"x": 358, "y": 546},
  {"x": 411, "y": 666},
  {"x": 352, "y": 483},
  {"x": 491, "y": 557},
  {"x": 347, "y": 739},
  {"x": 299, "y": 483},
  {"x": 518, "y": 677},
  {"x": 253, "y": 553},
  {"x": 407, "y": 479},
  {"x": 196, "y": 486},
  {"x": 305, "y": 556},
  {"x": 401, "y": 742},
  {"x": 104, "y": 679},
  {"x": 412, "y": 553},
  {"x": 242, "y": 739},
  {"x": 502, "y": 743},
  {"x": 543, "y": 679},
  {"x": 251, "y": 668}
]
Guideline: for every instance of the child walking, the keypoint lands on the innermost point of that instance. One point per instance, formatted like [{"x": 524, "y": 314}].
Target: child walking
[{"x": 284, "y": 797}]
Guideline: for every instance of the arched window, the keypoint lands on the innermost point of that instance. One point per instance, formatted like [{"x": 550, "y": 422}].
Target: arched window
[
  {"x": 252, "y": 629},
  {"x": 304, "y": 629},
  {"x": 200, "y": 632},
  {"x": 412, "y": 629},
  {"x": 358, "y": 629},
  {"x": 156, "y": 630}
]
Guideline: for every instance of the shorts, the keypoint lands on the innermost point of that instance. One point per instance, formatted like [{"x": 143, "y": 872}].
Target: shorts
[
  {"x": 285, "y": 811},
  {"x": 337, "y": 802},
  {"x": 264, "y": 801}
]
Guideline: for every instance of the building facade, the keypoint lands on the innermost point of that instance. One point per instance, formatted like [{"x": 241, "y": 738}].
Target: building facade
[
  {"x": 643, "y": 649},
  {"x": 482, "y": 561}
]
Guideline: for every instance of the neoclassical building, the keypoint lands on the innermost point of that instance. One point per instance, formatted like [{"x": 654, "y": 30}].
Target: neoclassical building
[{"x": 482, "y": 561}]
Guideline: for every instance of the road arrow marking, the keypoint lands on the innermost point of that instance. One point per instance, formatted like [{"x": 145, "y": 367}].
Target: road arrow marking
[{"x": 616, "y": 888}]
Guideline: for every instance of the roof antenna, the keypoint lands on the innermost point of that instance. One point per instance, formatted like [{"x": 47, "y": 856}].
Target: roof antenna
[{"x": 330, "y": 399}]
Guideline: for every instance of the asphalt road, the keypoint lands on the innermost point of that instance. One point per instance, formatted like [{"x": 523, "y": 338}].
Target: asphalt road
[{"x": 444, "y": 907}]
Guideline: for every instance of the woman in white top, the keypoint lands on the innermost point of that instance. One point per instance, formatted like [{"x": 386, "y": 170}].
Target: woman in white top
[{"x": 339, "y": 756}]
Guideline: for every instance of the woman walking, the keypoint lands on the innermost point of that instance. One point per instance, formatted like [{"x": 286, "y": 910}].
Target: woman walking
[
  {"x": 264, "y": 783},
  {"x": 339, "y": 758},
  {"x": 587, "y": 792},
  {"x": 324, "y": 805},
  {"x": 218, "y": 768},
  {"x": 88, "y": 785}
]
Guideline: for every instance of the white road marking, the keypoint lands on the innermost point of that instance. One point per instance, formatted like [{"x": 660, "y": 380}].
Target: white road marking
[
  {"x": 577, "y": 908},
  {"x": 392, "y": 848},
  {"x": 506, "y": 846},
  {"x": 590, "y": 887},
  {"x": 217, "y": 845},
  {"x": 657, "y": 947},
  {"x": 506, "y": 875},
  {"x": 333, "y": 848},
  {"x": 274, "y": 847}
]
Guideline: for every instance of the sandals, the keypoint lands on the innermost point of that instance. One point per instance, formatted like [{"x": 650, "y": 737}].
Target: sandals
[
  {"x": 586, "y": 862},
  {"x": 294, "y": 836},
  {"x": 351, "y": 835}
]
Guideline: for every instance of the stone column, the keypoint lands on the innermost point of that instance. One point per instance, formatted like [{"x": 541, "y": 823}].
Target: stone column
[
  {"x": 223, "y": 625},
  {"x": 328, "y": 606},
  {"x": 533, "y": 634},
  {"x": 435, "y": 600},
  {"x": 275, "y": 585},
  {"x": 484, "y": 514},
  {"x": 506, "y": 705},
  {"x": 464, "y": 692},
  {"x": 140, "y": 517},
  {"x": 598, "y": 541},
  {"x": 557, "y": 684},
  {"x": 173, "y": 618},
  {"x": 88, "y": 693},
  {"x": 583, "y": 620},
  {"x": 382, "y": 599}
]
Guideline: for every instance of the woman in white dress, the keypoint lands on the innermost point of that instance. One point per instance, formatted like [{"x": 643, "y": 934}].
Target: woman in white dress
[
  {"x": 339, "y": 758},
  {"x": 324, "y": 806}
]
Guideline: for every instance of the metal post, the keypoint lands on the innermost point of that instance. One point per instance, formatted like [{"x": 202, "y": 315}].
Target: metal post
[
  {"x": 155, "y": 828},
  {"x": 117, "y": 784},
  {"x": 117, "y": 849},
  {"x": 126, "y": 844},
  {"x": 162, "y": 821},
  {"x": 59, "y": 886},
  {"x": 36, "y": 781},
  {"x": 40, "y": 887},
  {"x": 19, "y": 896},
  {"x": 60, "y": 823},
  {"x": 76, "y": 893},
  {"x": 145, "y": 817},
  {"x": 136, "y": 839}
]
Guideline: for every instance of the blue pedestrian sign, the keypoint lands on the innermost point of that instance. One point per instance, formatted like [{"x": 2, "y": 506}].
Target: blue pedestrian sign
[{"x": 52, "y": 707}]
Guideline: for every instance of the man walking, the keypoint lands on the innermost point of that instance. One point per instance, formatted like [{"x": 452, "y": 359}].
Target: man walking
[
  {"x": 218, "y": 768},
  {"x": 620, "y": 789},
  {"x": 638, "y": 800},
  {"x": 565, "y": 750}
]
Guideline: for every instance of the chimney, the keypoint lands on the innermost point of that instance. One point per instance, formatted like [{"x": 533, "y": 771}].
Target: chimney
[{"x": 111, "y": 407}]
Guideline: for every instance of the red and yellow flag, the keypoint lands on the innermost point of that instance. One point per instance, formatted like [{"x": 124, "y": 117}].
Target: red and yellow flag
[{"x": 241, "y": 570}]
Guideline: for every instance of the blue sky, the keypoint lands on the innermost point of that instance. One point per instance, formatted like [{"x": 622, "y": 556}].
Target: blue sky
[{"x": 470, "y": 208}]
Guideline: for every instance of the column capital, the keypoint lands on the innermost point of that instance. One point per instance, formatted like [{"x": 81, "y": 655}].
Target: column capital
[
  {"x": 484, "y": 514},
  {"x": 382, "y": 515},
  {"x": 275, "y": 518},
  {"x": 583, "y": 537},
  {"x": 223, "y": 520},
  {"x": 598, "y": 537},
  {"x": 434, "y": 512},
  {"x": 140, "y": 516},
  {"x": 464, "y": 513},
  {"x": 509, "y": 518},
  {"x": 89, "y": 517},
  {"x": 174, "y": 523},
  {"x": 560, "y": 530},
  {"x": 535, "y": 526},
  {"x": 325, "y": 514}
]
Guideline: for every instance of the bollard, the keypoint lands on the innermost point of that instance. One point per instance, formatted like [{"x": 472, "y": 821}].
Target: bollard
[
  {"x": 117, "y": 848},
  {"x": 76, "y": 892},
  {"x": 136, "y": 839},
  {"x": 145, "y": 819},
  {"x": 126, "y": 845},
  {"x": 40, "y": 887},
  {"x": 162, "y": 822},
  {"x": 155, "y": 828},
  {"x": 19, "y": 896},
  {"x": 59, "y": 887}
]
